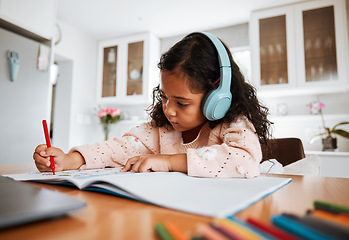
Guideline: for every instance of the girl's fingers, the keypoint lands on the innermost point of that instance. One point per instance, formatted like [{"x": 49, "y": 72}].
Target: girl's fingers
[
  {"x": 135, "y": 166},
  {"x": 126, "y": 167},
  {"x": 129, "y": 164},
  {"x": 42, "y": 168},
  {"x": 45, "y": 161},
  {"x": 144, "y": 167},
  {"x": 52, "y": 151},
  {"x": 40, "y": 148}
]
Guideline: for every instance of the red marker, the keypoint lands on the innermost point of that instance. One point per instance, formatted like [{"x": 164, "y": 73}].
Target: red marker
[{"x": 48, "y": 143}]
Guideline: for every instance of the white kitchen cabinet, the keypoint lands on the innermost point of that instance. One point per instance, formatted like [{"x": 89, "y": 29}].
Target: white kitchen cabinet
[
  {"x": 36, "y": 16},
  {"x": 301, "y": 48},
  {"x": 127, "y": 69}
]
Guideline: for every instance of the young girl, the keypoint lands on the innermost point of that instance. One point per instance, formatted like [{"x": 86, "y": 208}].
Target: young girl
[{"x": 179, "y": 136}]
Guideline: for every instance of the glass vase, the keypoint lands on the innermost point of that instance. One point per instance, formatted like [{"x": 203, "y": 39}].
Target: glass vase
[{"x": 106, "y": 128}]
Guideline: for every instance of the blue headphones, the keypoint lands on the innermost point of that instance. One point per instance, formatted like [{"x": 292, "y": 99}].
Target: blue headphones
[{"x": 216, "y": 103}]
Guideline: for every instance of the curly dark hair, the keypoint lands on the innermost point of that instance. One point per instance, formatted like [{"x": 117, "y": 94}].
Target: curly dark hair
[{"x": 196, "y": 57}]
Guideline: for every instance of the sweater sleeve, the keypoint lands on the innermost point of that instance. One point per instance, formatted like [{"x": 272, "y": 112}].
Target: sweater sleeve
[
  {"x": 238, "y": 153},
  {"x": 115, "y": 152}
]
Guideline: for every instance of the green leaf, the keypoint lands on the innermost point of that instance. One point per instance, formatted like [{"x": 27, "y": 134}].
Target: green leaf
[
  {"x": 342, "y": 123},
  {"x": 341, "y": 132},
  {"x": 313, "y": 138}
]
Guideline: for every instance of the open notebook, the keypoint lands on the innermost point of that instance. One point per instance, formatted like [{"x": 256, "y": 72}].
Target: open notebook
[{"x": 218, "y": 197}]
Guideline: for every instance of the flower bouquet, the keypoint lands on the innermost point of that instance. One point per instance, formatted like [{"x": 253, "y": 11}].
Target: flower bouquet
[{"x": 108, "y": 116}]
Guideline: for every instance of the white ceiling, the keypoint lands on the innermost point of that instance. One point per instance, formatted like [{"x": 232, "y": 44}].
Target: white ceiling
[{"x": 103, "y": 19}]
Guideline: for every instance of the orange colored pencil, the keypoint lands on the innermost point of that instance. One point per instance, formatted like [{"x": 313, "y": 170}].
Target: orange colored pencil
[
  {"x": 339, "y": 218},
  {"x": 175, "y": 232}
]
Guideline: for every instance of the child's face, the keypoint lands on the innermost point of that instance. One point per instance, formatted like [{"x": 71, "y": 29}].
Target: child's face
[{"x": 180, "y": 105}]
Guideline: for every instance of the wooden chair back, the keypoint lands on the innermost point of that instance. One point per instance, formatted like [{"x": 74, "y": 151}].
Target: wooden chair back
[{"x": 284, "y": 150}]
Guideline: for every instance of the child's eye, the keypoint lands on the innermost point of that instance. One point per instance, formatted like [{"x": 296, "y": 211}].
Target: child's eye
[{"x": 182, "y": 105}]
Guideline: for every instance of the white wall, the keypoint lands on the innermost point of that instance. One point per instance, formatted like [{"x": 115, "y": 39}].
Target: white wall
[
  {"x": 81, "y": 49},
  {"x": 62, "y": 104},
  {"x": 234, "y": 36}
]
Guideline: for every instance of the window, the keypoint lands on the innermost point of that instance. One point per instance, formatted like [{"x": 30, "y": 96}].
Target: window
[{"x": 242, "y": 57}]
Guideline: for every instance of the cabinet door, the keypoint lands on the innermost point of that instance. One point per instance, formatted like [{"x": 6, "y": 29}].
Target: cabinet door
[
  {"x": 135, "y": 68},
  {"x": 109, "y": 59},
  {"x": 273, "y": 48},
  {"x": 109, "y": 71},
  {"x": 127, "y": 69},
  {"x": 320, "y": 38}
]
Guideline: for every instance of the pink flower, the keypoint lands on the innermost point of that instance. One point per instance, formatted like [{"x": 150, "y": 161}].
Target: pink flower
[
  {"x": 115, "y": 111},
  {"x": 102, "y": 113},
  {"x": 109, "y": 111},
  {"x": 321, "y": 105}
]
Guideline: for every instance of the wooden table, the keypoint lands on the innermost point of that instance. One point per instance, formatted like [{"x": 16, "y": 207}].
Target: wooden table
[{"x": 110, "y": 217}]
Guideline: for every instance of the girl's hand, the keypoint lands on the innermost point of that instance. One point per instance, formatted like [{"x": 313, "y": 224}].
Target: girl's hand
[
  {"x": 62, "y": 161},
  {"x": 157, "y": 163},
  {"x": 42, "y": 158}
]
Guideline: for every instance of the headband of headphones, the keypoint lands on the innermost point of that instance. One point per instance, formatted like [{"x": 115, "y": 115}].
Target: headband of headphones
[{"x": 216, "y": 103}]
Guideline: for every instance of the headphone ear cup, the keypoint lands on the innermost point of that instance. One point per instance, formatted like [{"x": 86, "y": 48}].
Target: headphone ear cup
[{"x": 215, "y": 104}]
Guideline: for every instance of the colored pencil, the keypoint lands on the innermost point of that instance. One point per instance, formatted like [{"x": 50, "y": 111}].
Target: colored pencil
[
  {"x": 240, "y": 230},
  {"x": 335, "y": 230},
  {"x": 209, "y": 233},
  {"x": 269, "y": 229},
  {"x": 251, "y": 228},
  {"x": 175, "y": 231},
  {"x": 48, "y": 143},
  {"x": 331, "y": 206},
  {"x": 298, "y": 229},
  {"x": 162, "y": 232},
  {"x": 336, "y": 218},
  {"x": 226, "y": 231},
  {"x": 316, "y": 224}
]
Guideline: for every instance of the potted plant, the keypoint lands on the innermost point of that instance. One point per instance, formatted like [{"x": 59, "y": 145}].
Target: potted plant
[{"x": 329, "y": 143}]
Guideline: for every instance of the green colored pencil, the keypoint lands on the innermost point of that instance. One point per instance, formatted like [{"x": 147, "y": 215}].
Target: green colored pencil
[
  {"x": 162, "y": 232},
  {"x": 331, "y": 206}
]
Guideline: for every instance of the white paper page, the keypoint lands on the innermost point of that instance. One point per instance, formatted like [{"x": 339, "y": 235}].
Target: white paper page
[
  {"x": 205, "y": 196},
  {"x": 80, "y": 178}
]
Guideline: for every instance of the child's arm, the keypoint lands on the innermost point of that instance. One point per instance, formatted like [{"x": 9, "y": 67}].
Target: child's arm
[
  {"x": 63, "y": 161},
  {"x": 234, "y": 151},
  {"x": 139, "y": 141},
  {"x": 157, "y": 163}
]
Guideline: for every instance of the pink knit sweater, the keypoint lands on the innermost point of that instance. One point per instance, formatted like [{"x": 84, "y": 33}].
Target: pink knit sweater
[{"x": 228, "y": 150}]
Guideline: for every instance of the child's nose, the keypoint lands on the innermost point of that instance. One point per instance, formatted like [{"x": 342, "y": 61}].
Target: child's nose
[{"x": 169, "y": 109}]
